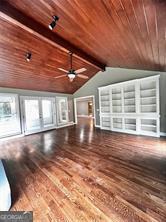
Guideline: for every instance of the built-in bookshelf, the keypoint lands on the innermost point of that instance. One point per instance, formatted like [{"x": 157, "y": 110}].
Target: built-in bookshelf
[
  {"x": 105, "y": 100},
  {"x": 131, "y": 106},
  {"x": 149, "y": 125},
  {"x": 148, "y": 96},
  {"x": 130, "y": 124},
  {"x": 106, "y": 122},
  {"x": 116, "y": 100},
  {"x": 129, "y": 98},
  {"x": 117, "y": 123}
]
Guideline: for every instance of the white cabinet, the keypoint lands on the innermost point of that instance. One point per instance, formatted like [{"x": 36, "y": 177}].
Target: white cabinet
[
  {"x": 105, "y": 100},
  {"x": 106, "y": 122},
  {"x": 131, "y": 106},
  {"x": 116, "y": 93},
  {"x": 129, "y": 98}
]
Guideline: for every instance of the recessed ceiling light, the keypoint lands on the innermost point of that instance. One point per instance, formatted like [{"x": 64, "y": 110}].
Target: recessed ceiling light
[{"x": 53, "y": 23}]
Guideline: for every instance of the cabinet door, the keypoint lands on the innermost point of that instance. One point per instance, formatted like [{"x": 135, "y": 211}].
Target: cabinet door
[{"x": 62, "y": 108}]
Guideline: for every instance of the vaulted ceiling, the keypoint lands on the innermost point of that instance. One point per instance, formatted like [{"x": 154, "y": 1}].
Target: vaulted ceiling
[{"x": 116, "y": 33}]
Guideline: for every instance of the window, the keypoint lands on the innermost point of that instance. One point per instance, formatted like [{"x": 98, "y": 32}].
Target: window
[{"x": 9, "y": 115}]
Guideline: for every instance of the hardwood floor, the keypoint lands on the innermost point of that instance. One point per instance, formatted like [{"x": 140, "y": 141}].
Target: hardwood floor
[{"x": 84, "y": 174}]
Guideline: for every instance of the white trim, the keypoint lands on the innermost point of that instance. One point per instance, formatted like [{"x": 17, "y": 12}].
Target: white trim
[
  {"x": 23, "y": 116},
  {"x": 162, "y": 134},
  {"x": 128, "y": 82},
  {"x": 66, "y": 125},
  {"x": 11, "y": 137},
  {"x": 85, "y": 116},
  {"x": 75, "y": 106},
  {"x": 97, "y": 126}
]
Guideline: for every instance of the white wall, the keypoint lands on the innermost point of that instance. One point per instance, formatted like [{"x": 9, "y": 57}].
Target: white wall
[
  {"x": 82, "y": 107},
  {"x": 116, "y": 75}
]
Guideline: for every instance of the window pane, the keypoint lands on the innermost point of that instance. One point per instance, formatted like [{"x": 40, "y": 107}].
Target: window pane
[
  {"x": 32, "y": 114},
  {"x": 47, "y": 112},
  {"x": 9, "y": 119}
]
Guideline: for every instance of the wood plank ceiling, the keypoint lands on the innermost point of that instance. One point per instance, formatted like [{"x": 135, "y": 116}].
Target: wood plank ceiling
[
  {"x": 39, "y": 73},
  {"x": 118, "y": 33}
]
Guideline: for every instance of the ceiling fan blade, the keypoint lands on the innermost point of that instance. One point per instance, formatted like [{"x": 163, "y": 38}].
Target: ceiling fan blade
[
  {"x": 83, "y": 76},
  {"x": 80, "y": 70},
  {"x": 61, "y": 76},
  {"x": 63, "y": 70}
]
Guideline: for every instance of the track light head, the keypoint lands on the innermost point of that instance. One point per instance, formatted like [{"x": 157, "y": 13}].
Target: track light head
[
  {"x": 53, "y": 23},
  {"x": 28, "y": 56}
]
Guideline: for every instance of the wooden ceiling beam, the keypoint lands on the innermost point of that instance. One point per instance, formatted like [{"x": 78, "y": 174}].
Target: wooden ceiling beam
[{"x": 16, "y": 17}]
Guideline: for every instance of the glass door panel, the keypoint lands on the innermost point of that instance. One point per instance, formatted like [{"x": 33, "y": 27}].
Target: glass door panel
[
  {"x": 48, "y": 113},
  {"x": 9, "y": 115},
  {"x": 39, "y": 114},
  {"x": 62, "y": 110},
  {"x": 32, "y": 115}
]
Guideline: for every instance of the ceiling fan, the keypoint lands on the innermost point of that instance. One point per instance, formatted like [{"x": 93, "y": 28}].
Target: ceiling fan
[{"x": 72, "y": 74}]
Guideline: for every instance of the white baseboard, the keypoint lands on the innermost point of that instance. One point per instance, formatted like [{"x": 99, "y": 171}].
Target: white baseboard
[
  {"x": 162, "y": 134},
  {"x": 85, "y": 116},
  {"x": 11, "y": 137},
  {"x": 68, "y": 124}
]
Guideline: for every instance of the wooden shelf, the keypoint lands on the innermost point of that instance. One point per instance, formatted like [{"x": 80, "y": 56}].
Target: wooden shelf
[
  {"x": 129, "y": 105},
  {"x": 148, "y": 97},
  {"x": 130, "y": 124},
  {"x": 148, "y": 104},
  {"x": 129, "y": 99},
  {"x": 146, "y": 125},
  {"x": 143, "y": 90},
  {"x": 132, "y": 91},
  {"x": 116, "y": 99}
]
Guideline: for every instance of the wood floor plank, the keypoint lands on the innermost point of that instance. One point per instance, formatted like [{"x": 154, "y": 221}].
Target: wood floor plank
[{"x": 84, "y": 174}]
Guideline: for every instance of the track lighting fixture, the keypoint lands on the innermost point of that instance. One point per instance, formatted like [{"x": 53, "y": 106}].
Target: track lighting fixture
[
  {"x": 53, "y": 23},
  {"x": 28, "y": 56}
]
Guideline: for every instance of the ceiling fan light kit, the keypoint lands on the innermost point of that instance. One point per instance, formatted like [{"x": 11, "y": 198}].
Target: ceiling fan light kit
[{"x": 72, "y": 74}]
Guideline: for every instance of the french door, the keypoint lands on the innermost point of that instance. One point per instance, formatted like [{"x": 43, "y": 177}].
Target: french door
[
  {"x": 38, "y": 114},
  {"x": 62, "y": 110}
]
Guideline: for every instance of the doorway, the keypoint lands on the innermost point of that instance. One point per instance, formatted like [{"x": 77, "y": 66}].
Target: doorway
[
  {"x": 38, "y": 114},
  {"x": 85, "y": 109}
]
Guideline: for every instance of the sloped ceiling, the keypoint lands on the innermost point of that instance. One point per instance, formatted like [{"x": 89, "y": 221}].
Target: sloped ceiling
[{"x": 116, "y": 33}]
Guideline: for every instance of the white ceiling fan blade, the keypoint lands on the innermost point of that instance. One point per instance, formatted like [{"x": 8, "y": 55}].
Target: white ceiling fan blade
[
  {"x": 80, "y": 70},
  {"x": 61, "y": 76},
  {"x": 83, "y": 76},
  {"x": 63, "y": 70}
]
